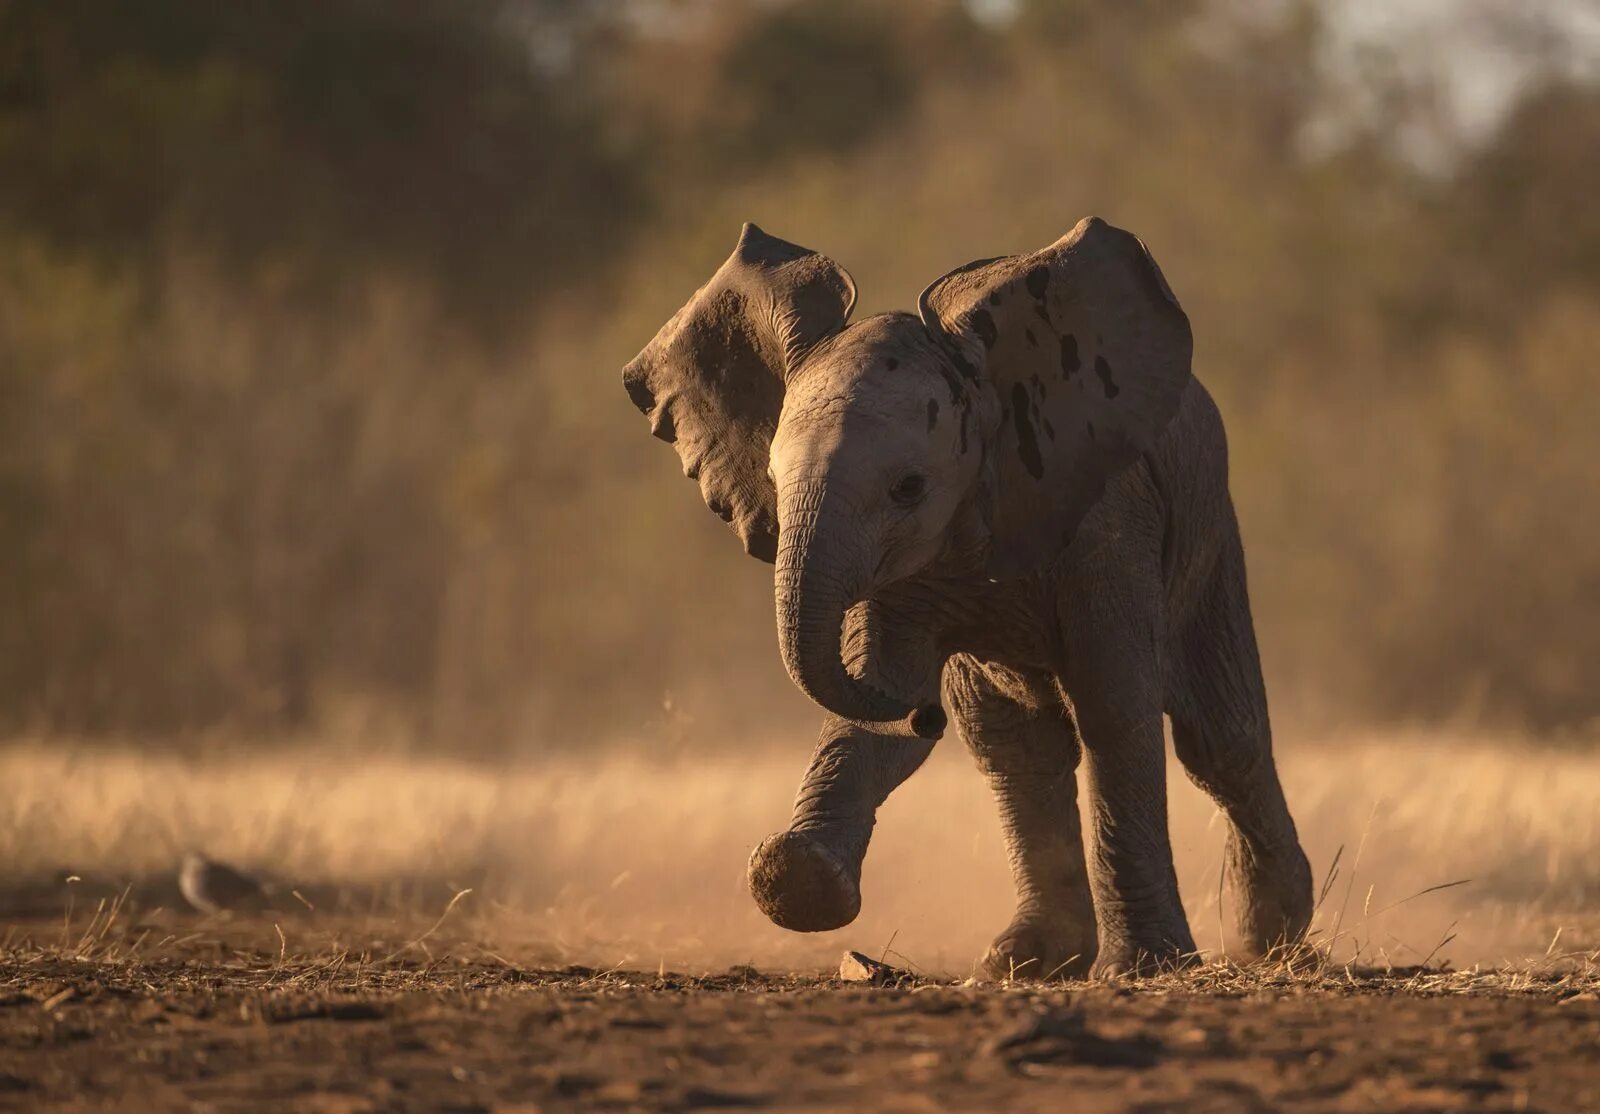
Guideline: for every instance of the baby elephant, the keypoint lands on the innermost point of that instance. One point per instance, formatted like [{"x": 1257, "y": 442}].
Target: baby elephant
[{"x": 1016, "y": 499}]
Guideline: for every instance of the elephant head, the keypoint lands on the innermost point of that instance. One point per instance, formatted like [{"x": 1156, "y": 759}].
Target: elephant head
[{"x": 855, "y": 456}]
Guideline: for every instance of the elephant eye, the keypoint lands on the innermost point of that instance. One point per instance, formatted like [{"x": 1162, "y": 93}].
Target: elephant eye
[{"x": 908, "y": 489}]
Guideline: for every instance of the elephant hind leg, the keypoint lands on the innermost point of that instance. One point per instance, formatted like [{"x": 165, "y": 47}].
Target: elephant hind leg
[
  {"x": 1223, "y": 737},
  {"x": 1023, "y": 739}
]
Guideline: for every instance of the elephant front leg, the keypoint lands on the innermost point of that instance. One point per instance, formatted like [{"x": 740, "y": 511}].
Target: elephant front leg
[
  {"x": 807, "y": 878},
  {"x": 1024, "y": 741}
]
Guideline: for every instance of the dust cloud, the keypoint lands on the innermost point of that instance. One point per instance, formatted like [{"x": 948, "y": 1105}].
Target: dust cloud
[{"x": 627, "y": 861}]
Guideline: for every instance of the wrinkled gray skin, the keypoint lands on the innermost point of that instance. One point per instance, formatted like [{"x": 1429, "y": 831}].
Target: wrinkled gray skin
[{"x": 1015, "y": 503}]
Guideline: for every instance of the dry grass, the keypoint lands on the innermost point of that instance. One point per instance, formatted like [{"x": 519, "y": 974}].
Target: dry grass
[
  {"x": 205, "y": 964},
  {"x": 625, "y": 862}
]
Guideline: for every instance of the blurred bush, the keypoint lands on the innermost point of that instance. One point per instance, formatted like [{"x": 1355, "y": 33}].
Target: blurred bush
[{"x": 311, "y": 315}]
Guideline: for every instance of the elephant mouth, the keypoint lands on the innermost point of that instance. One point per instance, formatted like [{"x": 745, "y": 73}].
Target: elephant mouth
[{"x": 927, "y": 721}]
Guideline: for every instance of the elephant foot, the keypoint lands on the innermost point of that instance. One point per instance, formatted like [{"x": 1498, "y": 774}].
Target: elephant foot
[
  {"x": 802, "y": 885},
  {"x": 1153, "y": 950},
  {"x": 1038, "y": 950},
  {"x": 1272, "y": 893},
  {"x": 1127, "y": 961}
]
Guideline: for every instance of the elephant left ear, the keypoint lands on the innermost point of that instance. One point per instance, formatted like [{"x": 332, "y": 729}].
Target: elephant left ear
[{"x": 1088, "y": 353}]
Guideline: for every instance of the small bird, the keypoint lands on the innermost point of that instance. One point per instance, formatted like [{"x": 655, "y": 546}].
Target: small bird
[{"x": 212, "y": 887}]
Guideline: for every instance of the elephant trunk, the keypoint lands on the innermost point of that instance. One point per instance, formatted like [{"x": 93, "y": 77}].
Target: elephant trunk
[
  {"x": 821, "y": 572},
  {"x": 813, "y": 594}
]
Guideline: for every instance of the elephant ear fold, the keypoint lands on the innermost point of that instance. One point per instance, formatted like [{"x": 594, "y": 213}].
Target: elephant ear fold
[
  {"x": 1088, "y": 353},
  {"x": 712, "y": 380}
]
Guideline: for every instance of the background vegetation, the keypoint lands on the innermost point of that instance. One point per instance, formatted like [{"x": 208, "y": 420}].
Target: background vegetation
[{"x": 311, "y": 318}]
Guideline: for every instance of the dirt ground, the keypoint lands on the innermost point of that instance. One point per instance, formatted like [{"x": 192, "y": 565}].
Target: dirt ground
[
  {"x": 202, "y": 1024},
  {"x": 425, "y": 917}
]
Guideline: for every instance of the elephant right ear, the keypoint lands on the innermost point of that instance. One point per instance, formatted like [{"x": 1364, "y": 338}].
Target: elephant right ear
[
  {"x": 712, "y": 380},
  {"x": 1087, "y": 352}
]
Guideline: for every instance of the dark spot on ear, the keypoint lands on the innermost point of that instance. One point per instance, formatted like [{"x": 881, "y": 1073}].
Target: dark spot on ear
[
  {"x": 964, "y": 367},
  {"x": 983, "y": 325},
  {"x": 891, "y": 363},
  {"x": 1049, "y": 430},
  {"x": 933, "y": 414},
  {"x": 1088, "y": 427},
  {"x": 1033, "y": 341},
  {"x": 1044, "y": 314},
  {"x": 965, "y": 413},
  {"x": 994, "y": 297},
  {"x": 951, "y": 381},
  {"x": 1038, "y": 281},
  {"x": 1027, "y": 445},
  {"x": 1103, "y": 370},
  {"x": 1070, "y": 363}
]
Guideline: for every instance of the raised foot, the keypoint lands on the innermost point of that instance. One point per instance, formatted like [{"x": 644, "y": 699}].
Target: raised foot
[
  {"x": 1036, "y": 951},
  {"x": 801, "y": 885}
]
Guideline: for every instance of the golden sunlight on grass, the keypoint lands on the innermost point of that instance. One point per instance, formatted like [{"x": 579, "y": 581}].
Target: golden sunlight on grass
[{"x": 628, "y": 861}]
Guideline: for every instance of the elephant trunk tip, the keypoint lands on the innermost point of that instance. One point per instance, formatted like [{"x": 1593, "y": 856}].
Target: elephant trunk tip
[{"x": 928, "y": 721}]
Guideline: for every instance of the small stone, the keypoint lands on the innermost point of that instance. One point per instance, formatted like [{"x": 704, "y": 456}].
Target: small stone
[
  {"x": 855, "y": 967},
  {"x": 620, "y": 1092}
]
